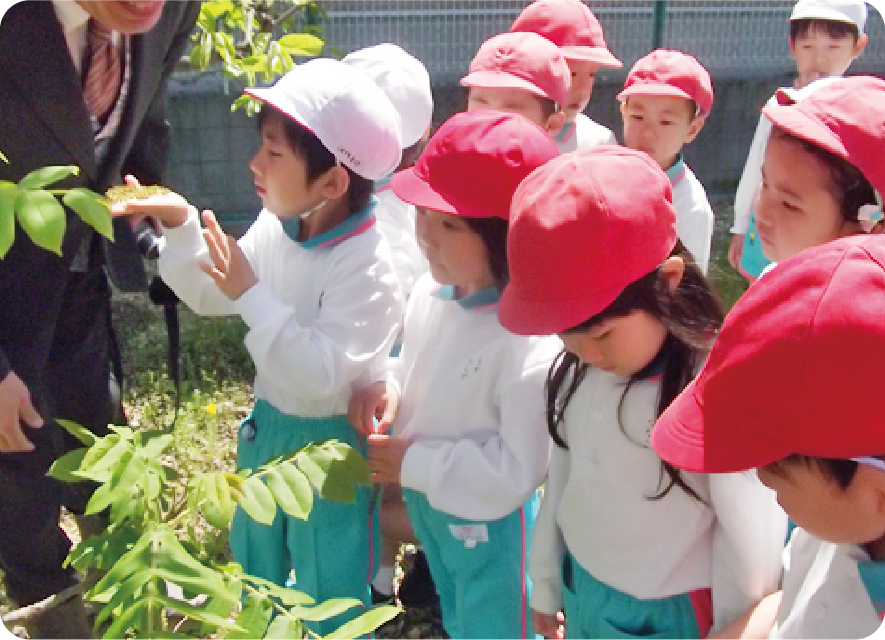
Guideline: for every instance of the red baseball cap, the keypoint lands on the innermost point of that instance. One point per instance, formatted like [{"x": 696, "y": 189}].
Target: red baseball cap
[
  {"x": 582, "y": 228},
  {"x": 473, "y": 164},
  {"x": 796, "y": 368},
  {"x": 571, "y": 26},
  {"x": 670, "y": 73},
  {"x": 846, "y": 117},
  {"x": 521, "y": 61}
]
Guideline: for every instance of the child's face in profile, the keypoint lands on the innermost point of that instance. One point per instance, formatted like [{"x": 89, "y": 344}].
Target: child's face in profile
[
  {"x": 620, "y": 345},
  {"x": 456, "y": 253},
  {"x": 281, "y": 174},
  {"x": 796, "y": 208},
  {"x": 660, "y": 126},
  {"x": 819, "y": 505},
  {"x": 581, "y": 89},
  {"x": 819, "y": 55},
  {"x": 514, "y": 100}
]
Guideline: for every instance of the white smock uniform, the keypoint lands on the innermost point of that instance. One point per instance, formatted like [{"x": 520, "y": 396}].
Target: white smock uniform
[
  {"x": 694, "y": 215},
  {"x": 830, "y": 590},
  {"x": 596, "y": 508},
  {"x": 583, "y": 132}
]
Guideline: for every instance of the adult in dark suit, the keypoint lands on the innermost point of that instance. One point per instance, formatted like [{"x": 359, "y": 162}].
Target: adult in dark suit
[{"x": 55, "y": 310}]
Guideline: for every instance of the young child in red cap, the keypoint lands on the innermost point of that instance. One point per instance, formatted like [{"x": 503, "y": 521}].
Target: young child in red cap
[
  {"x": 571, "y": 26},
  {"x": 665, "y": 103},
  {"x": 791, "y": 389},
  {"x": 520, "y": 73},
  {"x": 313, "y": 280},
  {"x": 628, "y": 546},
  {"x": 468, "y": 446},
  {"x": 823, "y": 173},
  {"x": 825, "y": 38}
]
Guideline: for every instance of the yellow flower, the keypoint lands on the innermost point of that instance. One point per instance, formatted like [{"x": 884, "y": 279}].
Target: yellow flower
[{"x": 211, "y": 409}]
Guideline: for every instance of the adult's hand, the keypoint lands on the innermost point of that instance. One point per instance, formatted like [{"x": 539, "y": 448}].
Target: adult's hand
[{"x": 15, "y": 408}]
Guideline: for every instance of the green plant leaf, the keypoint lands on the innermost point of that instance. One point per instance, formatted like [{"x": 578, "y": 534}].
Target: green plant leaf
[
  {"x": 257, "y": 501},
  {"x": 285, "y": 595},
  {"x": 39, "y": 178},
  {"x": 93, "y": 209},
  {"x": 334, "y": 469},
  {"x": 253, "y": 618},
  {"x": 283, "y": 627},
  {"x": 128, "y": 473},
  {"x": 211, "y": 495},
  {"x": 302, "y": 44},
  {"x": 63, "y": 468},
  {"x": 365, "y": 623},
  {"x": 101, "y": 462},
  {"x": 325, "y": 610},
  {"x": 101, "y": 551},
  {"x": 8, "y": 195},
  {"x": 154, "y": 442},
  {"x": 81, "y": 433},
  {"x": 291, "y": 490},
  {"x": 42, "y": 218}
]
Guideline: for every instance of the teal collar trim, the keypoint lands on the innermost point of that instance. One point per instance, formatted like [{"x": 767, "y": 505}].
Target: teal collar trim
[
  {"x": 677, "y": 172},
  {"x": 567, "y": 131},
  {"x": 487, "y": 297},
  {"x": 383, "y": 184},
  {"x": 873, "y": 576},
  {"x": 354, "y": 225}
]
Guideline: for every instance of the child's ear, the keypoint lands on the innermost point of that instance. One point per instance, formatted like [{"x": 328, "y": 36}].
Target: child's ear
[
  {"x": 672, "y": 270},
  {"x": 334, "y": 182},
  {"x": 555, "y": 123},
  {"x": 695, "y": 128},
  {"x": 860, "y": 45}
]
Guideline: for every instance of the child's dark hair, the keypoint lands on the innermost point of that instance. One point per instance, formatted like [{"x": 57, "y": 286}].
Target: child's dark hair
[
  {"x": 848, "y": 185},
  {"x": 548, "y": 106},
  {"x": 493, "y": 232},
  {"x": 691, "y": 313},
  {"x": 839, "y": 471},
  {"x": 318, "y": 158},
  {"x": 833, "y": 28}
]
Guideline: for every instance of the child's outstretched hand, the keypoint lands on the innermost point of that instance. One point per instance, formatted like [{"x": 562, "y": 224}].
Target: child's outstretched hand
[
  {"x": 229, "y": 268},
  {"x": 386, "y": 455},
  {"x": 166, "y": 206},
  {"x": 549, "y": 625},
  {"x": 372, "y": 409}
]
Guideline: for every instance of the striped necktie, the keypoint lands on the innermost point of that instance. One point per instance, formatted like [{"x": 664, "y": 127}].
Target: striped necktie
[{"x": 102, "y": 76}]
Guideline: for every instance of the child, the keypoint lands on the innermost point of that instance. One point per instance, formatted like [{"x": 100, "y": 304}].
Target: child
[
  {"x": 404, "y": 80},
  {"x": 630, "y": 547},
  {"x": 786, "y": 390},
  {"x": 825, "y": 37},
  {"x": 312, "y": 279},
  {"x": 823, "y": 169},
  {"x": 665, "y": 102},
  {"x": 521, "y": 73},
  {"x": 469, "y": 446},
  {"x": 570, "y": 25}
]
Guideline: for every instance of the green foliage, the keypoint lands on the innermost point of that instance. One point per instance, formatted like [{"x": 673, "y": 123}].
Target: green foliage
[
  {"x": 39, "y": 212},
  {"x": 242, "y": 35},
  {"x": 153, "y": 550}
]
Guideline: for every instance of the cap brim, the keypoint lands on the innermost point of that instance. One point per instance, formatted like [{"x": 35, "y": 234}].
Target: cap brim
[
  {"x": 546, "y": 317},
  {"x": 822, "y": 13},
  {"x": 649, "y": 89},
  {"x": 500, "y": 80},
  {"x": 598, "y": 55},
  {"x": 796, "y": 122},
  {"x": 266, "y": 95},
  {"x": 681, "y": 437},
  {"x": 408, "y": 187}
]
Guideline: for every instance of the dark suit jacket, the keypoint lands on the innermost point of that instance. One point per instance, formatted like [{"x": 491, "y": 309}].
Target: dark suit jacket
[{"x": 44, "y": 121}]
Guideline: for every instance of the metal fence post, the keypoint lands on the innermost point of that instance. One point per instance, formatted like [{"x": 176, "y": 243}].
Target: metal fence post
[{"x": 658, "y": 28}]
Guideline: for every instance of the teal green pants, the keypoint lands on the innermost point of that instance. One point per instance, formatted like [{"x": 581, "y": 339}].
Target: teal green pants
[
  {"x": 596, "y": 610},
  {"x": 334, "y": 553},
  {"x": 480, "y": 569}
]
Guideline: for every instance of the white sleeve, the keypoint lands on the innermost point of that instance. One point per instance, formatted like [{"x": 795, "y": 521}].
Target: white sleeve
[
  {"x": 500, "y": 472},
  {"x": 751, "y": 178},
  {"x": 358, "y": 319},
  {"x": 748, "y": 544},
  {"x": 183, "y": 251},
  {"x": 548, "y": 546},
  {"x": 696, "y": 230}
]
